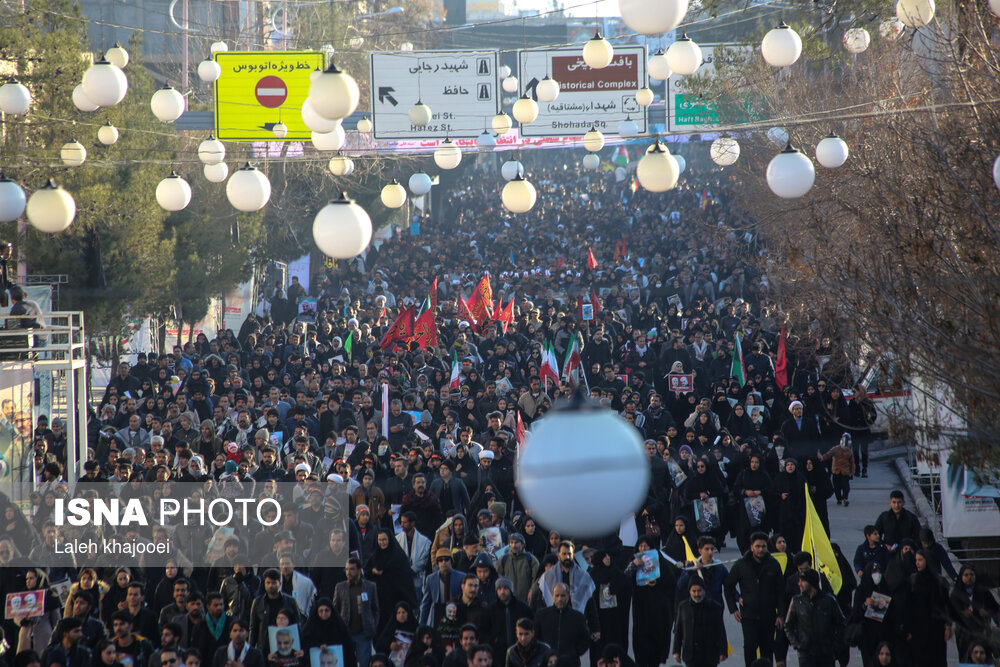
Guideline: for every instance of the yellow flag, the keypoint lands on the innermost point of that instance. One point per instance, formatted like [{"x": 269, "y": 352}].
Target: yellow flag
[
  {"x": 688, "y": 554},
  {"x": 817, "y": 543},
  {"x": 782, "y": 559}
]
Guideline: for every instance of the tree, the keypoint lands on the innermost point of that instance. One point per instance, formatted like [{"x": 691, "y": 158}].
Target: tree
[{"x": 896, "y": 249}]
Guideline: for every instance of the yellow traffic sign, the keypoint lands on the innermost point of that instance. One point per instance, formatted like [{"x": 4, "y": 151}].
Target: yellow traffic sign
[{"x": 259, "y": 89}]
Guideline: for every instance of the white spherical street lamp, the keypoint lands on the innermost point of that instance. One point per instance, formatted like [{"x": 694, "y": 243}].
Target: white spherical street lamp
[
  {"x": 167, "y": 104},
  {"x": 504, "y": 71},
  {"x": 280, "y": 130},
  {"x": 15, "y": 98},
  {"x": 547, "y": 89},
  {"x": 658, "y": 67},
  {"x": 419, "y": 183},
  {"x": 329, "y": 141},
  {"x": 211, "y": 150},
  {"x": 893, "y": 28},
  {"x": 778, "y": 136},
  {"x": 248, "y": 189},
  {"x": 725, "y": 151},
  {"x": 525, "y": 110},
  {"x": 593, "y": 140},
  {"x": 314, "y": 121},
  {"x": 342, "y": 229},
  {"x": 501, "y": 124},
  {"x": 652, "y": 17},
  {"x": 209, "y": 71},
  {"x": 509, "y": 84},
  {"x": 104, "y": 84},
  {"x": 393, "y": 194},
  {"x": 598, "y": 52},
  {"x": 591, "y": 161},
  {"x": 790, "y": 174},
  {"x": 510, "y": 169},
  {"x": 585, "y": 471},
  {"x": 915, "y": 13},
  {"x": 420, "y": 114},
  {"x": 334, "y": 94},
  {"x": 781, "y": 46},
  {"x": 73, "y": 153},
  {"x": 657, "y": 170},
  {"x": 856, "y": 40},
  {"x": 486, "y": 140},
  {"x": 173, "y": 193},
  {"x": 216, "y": 173},
  {"x": 448, "y": 155},
  {"x": 684, "y": 56},
  {"x": 107, "y": 134},
  {"x": 12, "y": 199},
  {"x": 832, "y": 151},
  {"x": 518, "y": 195},
  {"x": 218, "y": 47},
  {"x": 644, "y": 97},
  {"x": 628, "y": 128},
  {"x": 51, "y": 209},
  {"x": 81, "y": 101},
  {"x": 117, "y": 56},
  {"x": 341, "y": 166},
  {"x": 365, "y": 125}
]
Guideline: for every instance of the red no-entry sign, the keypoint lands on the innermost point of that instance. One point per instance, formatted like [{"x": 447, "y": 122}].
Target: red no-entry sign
[{"x": 271, "y": 92}]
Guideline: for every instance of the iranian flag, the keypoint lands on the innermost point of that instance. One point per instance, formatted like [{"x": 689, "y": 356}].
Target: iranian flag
[
  {"x": 781, "y": 366},
  {"x": 456, "y": 382},
  {"x": 573, "y": 367},
  {"x": 738, "y": 371},
  {"x": 550, "y": 367}
]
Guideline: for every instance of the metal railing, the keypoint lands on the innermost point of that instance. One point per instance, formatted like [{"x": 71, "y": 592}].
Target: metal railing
[{"x": 54, "y": 339}]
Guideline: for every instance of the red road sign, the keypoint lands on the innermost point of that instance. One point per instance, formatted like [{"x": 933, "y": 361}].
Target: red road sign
[{"x": 271, "y": 92}]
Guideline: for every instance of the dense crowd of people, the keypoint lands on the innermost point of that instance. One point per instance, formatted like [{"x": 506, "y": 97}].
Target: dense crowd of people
[{"x": 444, "y": 566}]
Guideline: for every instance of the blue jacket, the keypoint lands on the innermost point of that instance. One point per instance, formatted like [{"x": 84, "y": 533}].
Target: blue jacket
[
  {"x": 714, "y": 577},
  {"x": 432, "y": 594},
  {"x": 864, "y": 555}
]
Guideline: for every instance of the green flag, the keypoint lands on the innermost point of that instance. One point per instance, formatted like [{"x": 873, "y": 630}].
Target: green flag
[
  {"x": 349, "y": 344},
  {"x": 737, "y": 371}
]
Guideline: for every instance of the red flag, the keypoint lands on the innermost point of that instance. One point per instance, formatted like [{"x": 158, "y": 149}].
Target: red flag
[
  {"x": 781, "y": 365},
  {"x": 433, "y": 296},
  {"x": 506, "y": 316},
  {"x": 481, "y": 301},
  {"x": 618, "y": 249},
  {"x": 579, "y": 308},
  {"x": 520, "y": 434},
  {"x": 595, "y": 302},
  {"x": 401, "y": 329},
  {"x": 591, "y": 260},
  {"x": 465, "y": 313},
  {"x": 425, "y": 330}
]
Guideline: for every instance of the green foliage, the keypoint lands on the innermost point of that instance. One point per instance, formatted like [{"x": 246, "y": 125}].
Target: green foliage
[{"x": 152, "y": 260}]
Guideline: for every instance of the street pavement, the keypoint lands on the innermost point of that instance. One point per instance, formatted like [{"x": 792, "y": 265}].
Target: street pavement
[{"x": 869, "y": 497}]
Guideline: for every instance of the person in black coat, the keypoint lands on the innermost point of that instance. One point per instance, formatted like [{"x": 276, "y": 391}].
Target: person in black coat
[
  {"x": 751, "y": 483},
  {"x": 874, "y": 632},
  {"x": 790, "y": 487},
  {"x": 800, "y": 430},
  {"x": 563, "y": 628},
  {"x": 326, "y": 627},
  {"x": 700, "y": 633},
  {"x": 613, "y": 600},
  {"x": 927, "y": 624},
  {"x": 389, "y": 569},
  {"x": 820, "y": 489},
  {"x": 652, "y": 607},
  {"x": 238, "y": 649},
  {"x": 754, "y": 590},
  {"x": 497, "y": 626},
  {"x": 973, "y": 608}
]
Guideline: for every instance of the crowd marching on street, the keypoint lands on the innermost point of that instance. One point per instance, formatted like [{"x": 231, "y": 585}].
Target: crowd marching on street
[{"x": 411, "y": 377}]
